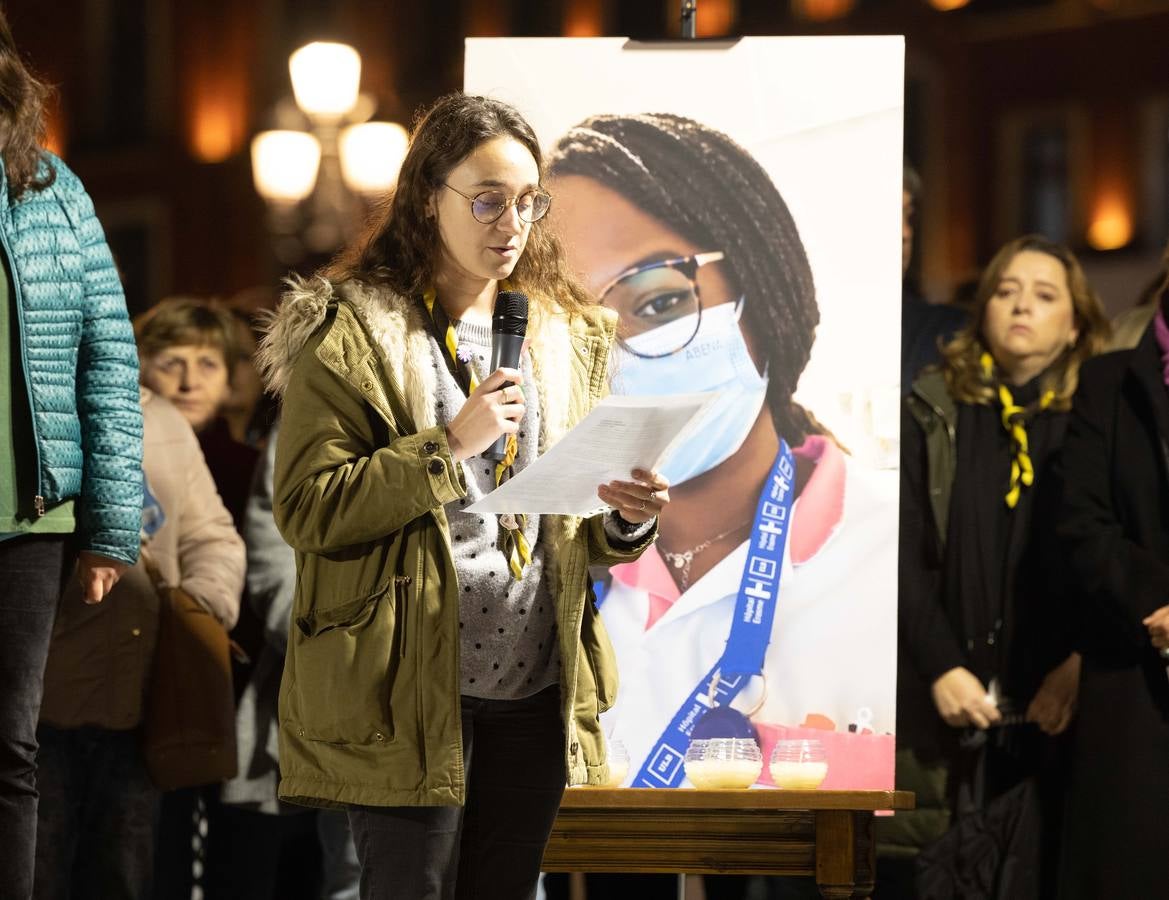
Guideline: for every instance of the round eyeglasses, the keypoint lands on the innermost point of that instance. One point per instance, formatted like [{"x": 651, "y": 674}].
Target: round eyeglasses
[
  {"x": 661, "y": 298},
  {"x": 487, "y": 206}
]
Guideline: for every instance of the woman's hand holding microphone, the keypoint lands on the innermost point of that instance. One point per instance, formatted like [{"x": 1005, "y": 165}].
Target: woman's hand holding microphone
[{"x": 491, "y": 410}]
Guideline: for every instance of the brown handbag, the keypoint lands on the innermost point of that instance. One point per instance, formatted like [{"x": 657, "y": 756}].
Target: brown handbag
[{"x": 188, "y": 729}]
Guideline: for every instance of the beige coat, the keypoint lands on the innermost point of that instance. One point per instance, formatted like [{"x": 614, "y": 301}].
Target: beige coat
[{"x": 100, "y": 656}]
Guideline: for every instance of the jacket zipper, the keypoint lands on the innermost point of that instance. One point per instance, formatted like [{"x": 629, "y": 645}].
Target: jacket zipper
[
  {"x": 951, "y": 431},
  {"x": 418, "y": 694},
  {"x": 401, "y": 581},
  {"x": 38, "y": 500}
]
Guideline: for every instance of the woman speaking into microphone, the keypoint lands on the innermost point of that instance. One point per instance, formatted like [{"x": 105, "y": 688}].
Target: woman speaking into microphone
[{"x": 445, "y": 669}]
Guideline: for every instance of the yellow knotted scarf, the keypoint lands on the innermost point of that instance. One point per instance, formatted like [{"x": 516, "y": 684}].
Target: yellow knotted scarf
[
  {"x": 511, "y": 539},
  {"x": 1014, "y": 419}
]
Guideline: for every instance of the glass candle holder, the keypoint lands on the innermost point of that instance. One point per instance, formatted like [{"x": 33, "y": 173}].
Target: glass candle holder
[
  {"x": 799, "y": 765},
  {"x": 618, "y": 764},
  {"x": 723, "y": 763}
]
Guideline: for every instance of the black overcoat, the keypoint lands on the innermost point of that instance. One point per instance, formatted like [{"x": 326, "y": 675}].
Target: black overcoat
[{"x": 1114, "y": 528}]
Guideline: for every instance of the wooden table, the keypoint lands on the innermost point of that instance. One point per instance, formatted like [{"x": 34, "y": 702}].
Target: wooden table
[{"x": 827, "y": 835}]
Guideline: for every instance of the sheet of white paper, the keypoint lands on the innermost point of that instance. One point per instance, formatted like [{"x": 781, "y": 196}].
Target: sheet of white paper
[{"x": 621, "y": 434}]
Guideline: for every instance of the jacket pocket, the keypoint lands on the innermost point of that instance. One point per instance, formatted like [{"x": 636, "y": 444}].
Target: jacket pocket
[
  {"x": 343, "y": 663},
  {"x": 599, "y": 653}
]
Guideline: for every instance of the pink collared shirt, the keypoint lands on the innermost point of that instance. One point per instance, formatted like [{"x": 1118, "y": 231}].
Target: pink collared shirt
[{"x": 823, "y": 506}]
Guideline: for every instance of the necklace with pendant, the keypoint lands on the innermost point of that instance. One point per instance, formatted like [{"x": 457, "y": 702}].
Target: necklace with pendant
[{"x": 685, "y": 559}]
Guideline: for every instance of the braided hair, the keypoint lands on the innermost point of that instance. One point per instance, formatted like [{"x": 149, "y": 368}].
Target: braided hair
[{"x": 701, "y": 184}]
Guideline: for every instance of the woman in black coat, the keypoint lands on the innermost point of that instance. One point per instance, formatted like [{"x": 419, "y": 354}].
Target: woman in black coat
[
  {"x": 986, "y": 672},
  {"x": 1115, "y": 531}
]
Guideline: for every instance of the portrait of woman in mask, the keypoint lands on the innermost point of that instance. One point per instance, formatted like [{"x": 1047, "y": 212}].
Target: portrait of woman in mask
[{"x": 681, "y": 231}]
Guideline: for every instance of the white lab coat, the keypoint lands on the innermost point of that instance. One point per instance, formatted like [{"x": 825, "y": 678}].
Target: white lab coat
[{"x": 833, "y": 650}]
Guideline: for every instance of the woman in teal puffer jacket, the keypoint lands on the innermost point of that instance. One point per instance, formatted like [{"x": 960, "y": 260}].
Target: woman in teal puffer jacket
[{"x": 70, "y": 426}]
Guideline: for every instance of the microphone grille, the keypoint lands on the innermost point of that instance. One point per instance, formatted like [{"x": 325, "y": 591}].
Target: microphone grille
[{"x": 511, "y": 305}]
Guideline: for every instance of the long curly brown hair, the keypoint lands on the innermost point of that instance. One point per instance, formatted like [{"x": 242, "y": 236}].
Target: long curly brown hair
[
  {"x": 22, "y": 121},
  {"x": 401, "y": 246},
  {"x": 962, "y": 365}
]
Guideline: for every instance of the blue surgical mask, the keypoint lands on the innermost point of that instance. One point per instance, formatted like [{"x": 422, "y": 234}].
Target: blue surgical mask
[{"x": 716, "y": 359}]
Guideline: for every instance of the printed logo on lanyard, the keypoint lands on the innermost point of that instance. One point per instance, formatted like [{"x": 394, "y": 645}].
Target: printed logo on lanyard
[
  {"x": 746, "y": 646},
  {"x": 153, "y": 515}
]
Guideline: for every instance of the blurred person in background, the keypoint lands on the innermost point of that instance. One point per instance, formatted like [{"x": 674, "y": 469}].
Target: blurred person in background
[
  {"x": 252, "y": 414},
  {"x": 71, "y": 427},
  {"x": 247, "y": 411},
  {"x": 1130, "y": 326},
  {"x": 987, "y": 669},
  {"x": 189, "y": 350},
  {"x": 252, "y": 793},
  {"x": 95, "y": 826},
  {"x": 198, "y": 355},
  {"x": 1114, "y": 529},
  {"x": 924, "y": 326}
]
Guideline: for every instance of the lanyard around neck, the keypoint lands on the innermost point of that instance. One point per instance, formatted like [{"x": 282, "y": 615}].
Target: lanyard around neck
[
  {"x": 746, "y": 646},
  {"x": 513, "y": 543}
]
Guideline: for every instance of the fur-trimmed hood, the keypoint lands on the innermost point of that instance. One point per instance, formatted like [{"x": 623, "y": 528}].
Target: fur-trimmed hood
[{"x": 301, "y": 312}]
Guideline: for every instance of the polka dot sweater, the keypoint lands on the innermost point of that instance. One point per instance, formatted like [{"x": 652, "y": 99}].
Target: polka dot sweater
[{"x": 507, "y": 628}]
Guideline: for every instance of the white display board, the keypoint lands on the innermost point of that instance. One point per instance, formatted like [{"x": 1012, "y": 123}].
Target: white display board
[{"x": 822, "y": 116}]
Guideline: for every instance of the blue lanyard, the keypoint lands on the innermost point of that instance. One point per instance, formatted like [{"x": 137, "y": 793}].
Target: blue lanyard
[
  {"x": 153, "y": 515},
  {"x": 746, "y": 646}
]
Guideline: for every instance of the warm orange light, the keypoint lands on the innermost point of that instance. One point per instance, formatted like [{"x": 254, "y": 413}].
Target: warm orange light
[
  {"x": 217, "y": 116},
  {"x": 213, "y": 133},
  {"x": 948, "y": 5},
  {"x": 584, "y": 18},
  {"x": 55, "y": 135},
  {"x": 822, "y": 10},
  {"x": 215, "y": 61},
  {"x": 716, "y": 18},
  {"x": 1111, "y": 226}
]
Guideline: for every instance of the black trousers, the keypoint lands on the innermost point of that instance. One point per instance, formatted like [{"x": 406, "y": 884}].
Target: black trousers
[
  {"x": 95, "y": 825},
  {"x": 491, "y": 848},
  {"x": 31, "y": 575}
]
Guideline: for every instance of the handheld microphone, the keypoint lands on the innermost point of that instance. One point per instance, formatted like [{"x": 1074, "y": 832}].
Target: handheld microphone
[{"x": 509, "y": 324}]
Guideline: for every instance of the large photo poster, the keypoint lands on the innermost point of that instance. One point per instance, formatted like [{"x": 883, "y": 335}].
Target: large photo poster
[{"x": 738, "y": 206}]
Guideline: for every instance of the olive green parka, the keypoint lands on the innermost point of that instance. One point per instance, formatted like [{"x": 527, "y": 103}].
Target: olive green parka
[{"x": 369, "y": 702}]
